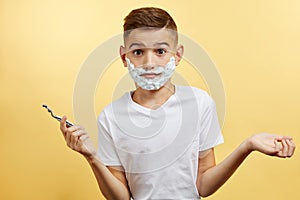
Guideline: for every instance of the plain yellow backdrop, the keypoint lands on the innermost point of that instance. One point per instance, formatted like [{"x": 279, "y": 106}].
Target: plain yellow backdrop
[{"x": 255, "y": 45}]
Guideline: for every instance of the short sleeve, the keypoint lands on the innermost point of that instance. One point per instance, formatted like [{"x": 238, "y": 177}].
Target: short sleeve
[
  {"x": 106, "y": 149},
  {"x": 210, "y": 133}
]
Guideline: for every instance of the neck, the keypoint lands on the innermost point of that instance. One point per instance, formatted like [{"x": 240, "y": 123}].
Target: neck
[{"x": 153, "y": 98}]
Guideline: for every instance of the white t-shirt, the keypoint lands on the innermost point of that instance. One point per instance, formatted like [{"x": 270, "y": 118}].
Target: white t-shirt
[{"x": 159, "y": 148}]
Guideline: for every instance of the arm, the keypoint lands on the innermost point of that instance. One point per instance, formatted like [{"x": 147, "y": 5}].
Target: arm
[
  {"x": 211, "y": 176},
  {"x": 112, "y": 182}
]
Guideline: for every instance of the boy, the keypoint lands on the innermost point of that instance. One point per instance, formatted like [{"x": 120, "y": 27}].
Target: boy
[{"x": 157, "y": 142}]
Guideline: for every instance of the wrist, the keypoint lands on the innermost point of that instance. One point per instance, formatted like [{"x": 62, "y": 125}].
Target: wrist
[
  {"x": 91, "y": 158},
  {"x": 247, "y": 145}
]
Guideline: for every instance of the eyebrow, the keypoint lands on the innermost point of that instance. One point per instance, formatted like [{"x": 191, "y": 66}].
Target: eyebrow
[
  {"x": 142, "y": 45},
  {"x": 161, "y": 43},
  {"x": 136, "y": 44}
]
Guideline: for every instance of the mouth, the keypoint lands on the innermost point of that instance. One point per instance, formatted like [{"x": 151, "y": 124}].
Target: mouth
[{"x": 150, "y": 75}]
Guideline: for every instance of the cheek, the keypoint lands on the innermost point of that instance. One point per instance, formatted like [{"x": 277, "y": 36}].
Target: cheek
[{"x": 135, "y": 61}]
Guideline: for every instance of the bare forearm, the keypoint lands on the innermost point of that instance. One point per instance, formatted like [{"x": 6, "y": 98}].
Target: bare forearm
[
  {"x": 109, "y": 185},
  {"x": 212, "y": 179}
]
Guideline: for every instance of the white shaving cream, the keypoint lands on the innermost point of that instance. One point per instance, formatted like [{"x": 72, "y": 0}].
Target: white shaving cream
[{"x": 164, "y": 73}]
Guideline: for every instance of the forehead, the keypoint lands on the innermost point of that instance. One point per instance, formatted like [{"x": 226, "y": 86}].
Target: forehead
[{"x": 150, "y": 37}]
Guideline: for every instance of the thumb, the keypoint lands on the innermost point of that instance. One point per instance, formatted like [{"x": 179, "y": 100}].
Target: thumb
[
  {"x": 63, "y": 126},
  {"x": 278, "y": 145}
]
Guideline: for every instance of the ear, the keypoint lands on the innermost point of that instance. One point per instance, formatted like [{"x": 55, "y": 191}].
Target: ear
[
  {"x": 179, "y": 54},
  {"x": 122, "y": 55}
]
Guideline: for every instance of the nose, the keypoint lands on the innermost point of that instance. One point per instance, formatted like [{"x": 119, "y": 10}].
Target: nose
[{"x": 149, "y": 60}]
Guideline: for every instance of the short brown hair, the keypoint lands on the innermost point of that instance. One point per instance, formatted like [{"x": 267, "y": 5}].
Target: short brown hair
[{"x": 148, "y": 17}]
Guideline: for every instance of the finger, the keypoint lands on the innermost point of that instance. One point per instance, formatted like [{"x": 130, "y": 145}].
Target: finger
[
  {"x": 78, "y": 133},
  {"x": 278, "y": 137},
  {"x": 285, "y": 148},
  {"x": 82, "y": 138},
  {"x": 281, "y": 137},
  {"x": 75, "y": 137},
  {"x": 287, "y": 137},
  {"x": 74, "y": 128},
  {"x": 278, "y": 146},
  {"x": 292, "y": 147},
  {"x": 81, "y": 142},
  {"x": 63, "y": 126},
  {"x": 70, "y": 132}
]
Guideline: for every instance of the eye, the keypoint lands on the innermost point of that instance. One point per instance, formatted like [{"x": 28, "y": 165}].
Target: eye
[
  {"x": 137, "y": 52},
  {"x": 161, "y": 51}
]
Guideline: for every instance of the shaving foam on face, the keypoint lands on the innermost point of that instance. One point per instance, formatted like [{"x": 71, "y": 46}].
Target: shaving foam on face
[{"x": 163, "y": 74}]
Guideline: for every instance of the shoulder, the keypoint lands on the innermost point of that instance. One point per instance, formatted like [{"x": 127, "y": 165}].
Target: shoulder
[
  {"x": 197, "y": 94},
  {"x": 197, "y": 91}
]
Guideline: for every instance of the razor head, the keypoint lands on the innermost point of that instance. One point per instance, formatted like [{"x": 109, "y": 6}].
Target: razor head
[
  {"x": 55, "y": 116},
  {"x": 50, "y": 111}
]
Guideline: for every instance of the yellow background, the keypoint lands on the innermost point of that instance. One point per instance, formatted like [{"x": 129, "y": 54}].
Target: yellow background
[{"x": 255, "y": 45}]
